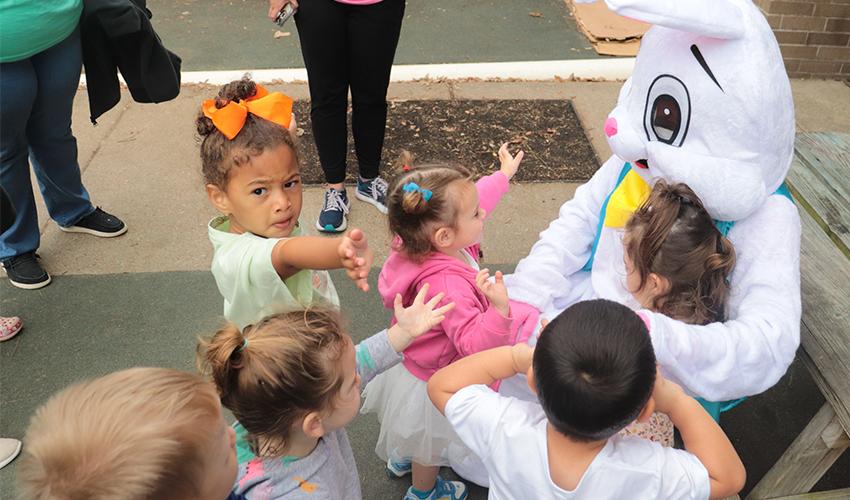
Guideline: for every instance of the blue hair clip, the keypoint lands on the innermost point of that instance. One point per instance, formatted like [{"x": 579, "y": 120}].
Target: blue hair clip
[{"x": 410, "y": 187}]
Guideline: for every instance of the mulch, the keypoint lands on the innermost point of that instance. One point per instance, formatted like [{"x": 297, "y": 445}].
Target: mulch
[{"x": 470, "y": 132}]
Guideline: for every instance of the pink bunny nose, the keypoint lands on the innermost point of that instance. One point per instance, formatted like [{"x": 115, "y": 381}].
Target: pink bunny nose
[{"x": 611, "y": 127}]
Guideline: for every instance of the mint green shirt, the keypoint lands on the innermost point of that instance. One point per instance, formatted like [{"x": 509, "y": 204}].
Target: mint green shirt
[
  {"x": 28, "y": 27},
  {"x": 252, "y": 289}
]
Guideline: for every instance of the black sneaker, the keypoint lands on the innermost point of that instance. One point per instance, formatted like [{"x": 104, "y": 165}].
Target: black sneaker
[
  {"x": 98, "y": 223},
  {"x": 332, "y": 218},
  {"x": 24, "y": 271},
  {"x": 373, "y": 191}
]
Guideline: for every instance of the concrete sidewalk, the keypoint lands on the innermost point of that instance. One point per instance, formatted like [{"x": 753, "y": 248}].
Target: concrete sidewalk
[
  {"x": 141, "y": 299},
  {"x": 141, "y": 162}
]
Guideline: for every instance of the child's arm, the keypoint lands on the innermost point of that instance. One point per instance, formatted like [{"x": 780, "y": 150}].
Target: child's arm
[
  {"x": 492, "y": 187},
  {"x": 350, "y": 252},
  {"x": 702, "y": 437},
  {"x": 484, "y": 368},
  {"x": 380, "y": 351}
]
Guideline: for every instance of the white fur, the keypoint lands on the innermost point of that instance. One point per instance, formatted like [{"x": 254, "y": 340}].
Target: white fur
[{"x": 735, "y": 154}]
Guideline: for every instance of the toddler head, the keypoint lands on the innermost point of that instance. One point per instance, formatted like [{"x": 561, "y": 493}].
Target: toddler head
[
  {"x": 594, "y": 370},
  {"x": 137, "y": 434},
  {"x": 434, "y": 208},
  {"x": 677, "y": 262},
  {"x": 292, "y": 373},
  {"x": 251, "y": 171}
]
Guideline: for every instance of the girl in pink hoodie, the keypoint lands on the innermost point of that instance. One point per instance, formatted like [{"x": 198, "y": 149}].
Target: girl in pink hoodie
[{"x": 437, "y": 213}]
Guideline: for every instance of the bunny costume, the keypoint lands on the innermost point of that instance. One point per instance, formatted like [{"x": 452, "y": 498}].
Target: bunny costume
[{"x": 708, "y": 104}]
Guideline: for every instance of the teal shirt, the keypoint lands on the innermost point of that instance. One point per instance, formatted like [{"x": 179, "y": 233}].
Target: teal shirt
[{"x": 28, "y": 27}]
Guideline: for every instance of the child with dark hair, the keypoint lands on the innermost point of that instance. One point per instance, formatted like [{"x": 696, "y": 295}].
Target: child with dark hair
[
  {"x": 262, "y": 262},
  {"x": 594, "y": 372},
  {"x": 293, "y": 382},
  {"x": 678, "y": 264},
  {"x": 437, "y": 214}
]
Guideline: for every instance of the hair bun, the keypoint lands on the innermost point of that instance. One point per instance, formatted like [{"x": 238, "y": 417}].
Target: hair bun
[
  {"x": 414, "y": 203},
  {"x": 204, "y": 125}
]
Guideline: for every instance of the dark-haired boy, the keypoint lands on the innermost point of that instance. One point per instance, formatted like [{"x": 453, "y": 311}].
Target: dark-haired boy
[{"x": 594, "y": 373}]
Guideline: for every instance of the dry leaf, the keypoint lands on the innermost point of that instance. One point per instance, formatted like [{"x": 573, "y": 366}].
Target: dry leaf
[
  {"x": 280, "y": 34},
  {"x": 535, "y": 14}
]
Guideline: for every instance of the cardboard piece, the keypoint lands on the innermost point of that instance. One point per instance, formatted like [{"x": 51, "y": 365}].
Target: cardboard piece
[{"x": 609, "y": 33}]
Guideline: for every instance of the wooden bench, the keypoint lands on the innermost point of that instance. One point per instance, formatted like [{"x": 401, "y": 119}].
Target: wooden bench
[{"x": 820, "y": 183}]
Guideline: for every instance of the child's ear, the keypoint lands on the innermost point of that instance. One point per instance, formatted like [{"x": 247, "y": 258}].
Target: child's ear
[
  {"x": 444, "y": 237},
  {"x": 647, "y": 411},
  {"x": 658, "y": 285},
  {"x": 312, "y": 425},
  {"x": 218, "y": 198},
  {"x": 532, "y": 382}
]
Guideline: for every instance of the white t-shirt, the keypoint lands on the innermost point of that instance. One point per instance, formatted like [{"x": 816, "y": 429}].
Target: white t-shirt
[{"x": 509, "y": 435}]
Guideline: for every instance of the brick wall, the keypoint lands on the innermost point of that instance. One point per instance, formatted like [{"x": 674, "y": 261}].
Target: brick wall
[{"x": 813, "y": 35}]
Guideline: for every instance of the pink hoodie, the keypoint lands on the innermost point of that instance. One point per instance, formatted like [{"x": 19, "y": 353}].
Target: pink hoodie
[{"x": 473, "y": 325}]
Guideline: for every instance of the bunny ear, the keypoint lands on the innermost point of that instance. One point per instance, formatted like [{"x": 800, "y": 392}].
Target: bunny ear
[{"x": 711, "y": 18}]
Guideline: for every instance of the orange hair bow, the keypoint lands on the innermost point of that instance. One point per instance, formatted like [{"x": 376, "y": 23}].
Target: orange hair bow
[{"x": 229, "y": 120}]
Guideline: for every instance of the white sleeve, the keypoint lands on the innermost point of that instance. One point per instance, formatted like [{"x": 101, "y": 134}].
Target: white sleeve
[
  {"x": 751, "y": 351},
  {"x": 683, "y": 476},
  {"x": 564, "y": 247},
  {"x": 475, "y": 412}
]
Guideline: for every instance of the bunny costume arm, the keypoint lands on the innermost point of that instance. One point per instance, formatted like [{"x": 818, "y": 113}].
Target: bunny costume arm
[
  {"x": 749, "y": 353},
  {"x": 551, "y": 277}
]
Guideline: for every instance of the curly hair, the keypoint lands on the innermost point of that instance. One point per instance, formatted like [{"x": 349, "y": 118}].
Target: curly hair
[{"x": 219, "y": 154}]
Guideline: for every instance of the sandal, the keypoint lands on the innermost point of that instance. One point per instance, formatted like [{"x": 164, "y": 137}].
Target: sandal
[{"x": 9, "y": 327}]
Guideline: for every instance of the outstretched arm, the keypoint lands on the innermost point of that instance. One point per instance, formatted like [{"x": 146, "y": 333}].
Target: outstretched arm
[
  {"x": 484, "y": 368},
  {"x": 751, "y": 351},
  {"x": 564, "y": 247},
  {"x": 350, "y": 252}
]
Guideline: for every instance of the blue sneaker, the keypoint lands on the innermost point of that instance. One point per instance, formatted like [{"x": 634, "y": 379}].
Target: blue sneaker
[
  {"x": 373, "y": 191},
  {"x": 443, "y": 490},
  {"x": 332, "y": 218},
  {"x": 398, "y": 467}
]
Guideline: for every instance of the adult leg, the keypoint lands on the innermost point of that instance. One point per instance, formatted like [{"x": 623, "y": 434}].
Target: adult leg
[
  {"x": 17, "y": 95},
  {"x": 322, "y": 31},
  {"x": 53, "y": 147},
  {"x": 373, "y": 33}
]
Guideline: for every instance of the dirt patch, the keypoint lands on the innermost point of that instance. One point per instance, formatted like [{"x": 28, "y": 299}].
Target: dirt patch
[{"x": 470, "y": 132}]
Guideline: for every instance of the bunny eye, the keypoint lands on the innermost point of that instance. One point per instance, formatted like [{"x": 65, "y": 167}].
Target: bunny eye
[
  {"x": 666, "y": 118},
  {"x": 667, "y": 114}
]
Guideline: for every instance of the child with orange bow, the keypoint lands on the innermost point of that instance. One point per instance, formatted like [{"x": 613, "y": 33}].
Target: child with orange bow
[{"x": 262, "y": 262}]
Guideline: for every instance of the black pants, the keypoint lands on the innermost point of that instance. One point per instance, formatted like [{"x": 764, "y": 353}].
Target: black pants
[{"x": 348, "y": 46}]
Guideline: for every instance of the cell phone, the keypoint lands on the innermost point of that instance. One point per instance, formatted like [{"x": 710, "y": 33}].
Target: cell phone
[{"x": 285, "y": 13}]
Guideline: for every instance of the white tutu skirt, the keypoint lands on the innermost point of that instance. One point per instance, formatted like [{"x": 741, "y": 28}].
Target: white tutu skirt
[{"x": 411, "y": 427}]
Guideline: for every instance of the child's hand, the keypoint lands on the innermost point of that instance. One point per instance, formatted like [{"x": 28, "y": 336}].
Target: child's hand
[
  {"x": 496, "y": 292},
  {"x": 510, "y": 164},
  {"x": 522, "y": 354},
  {"x": 420, "y": 317},
  {"x": 666, "y": 394},
  {"x": 356, "y": 257}
]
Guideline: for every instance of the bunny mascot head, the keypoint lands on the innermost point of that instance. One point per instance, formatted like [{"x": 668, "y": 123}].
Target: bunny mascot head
[{"x": 708, "y": 104}]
